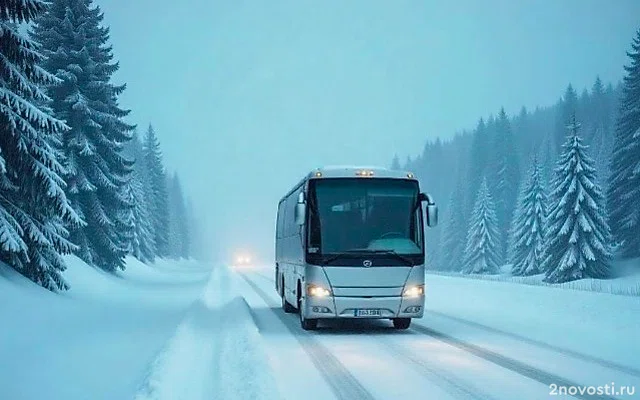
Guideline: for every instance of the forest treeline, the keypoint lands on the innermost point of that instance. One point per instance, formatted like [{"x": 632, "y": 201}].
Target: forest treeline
[
  {"x": 75, "y": 176},
  {"x": 553, "y": 191}
]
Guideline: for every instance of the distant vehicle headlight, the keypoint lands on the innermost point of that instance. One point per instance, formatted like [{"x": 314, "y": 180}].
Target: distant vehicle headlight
[
  {"x": 243, "y": 260},
  {"x": 414, "y": 291}
]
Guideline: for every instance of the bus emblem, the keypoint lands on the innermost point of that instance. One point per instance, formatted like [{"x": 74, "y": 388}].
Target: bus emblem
[{"x": 367, "y": 263}]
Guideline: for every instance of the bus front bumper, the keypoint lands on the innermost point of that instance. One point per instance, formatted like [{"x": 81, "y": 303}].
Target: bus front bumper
[{"x": 364, "y": 307}]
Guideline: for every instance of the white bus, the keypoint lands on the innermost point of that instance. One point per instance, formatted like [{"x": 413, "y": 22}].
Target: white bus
[{"x": 350, "y": 244}]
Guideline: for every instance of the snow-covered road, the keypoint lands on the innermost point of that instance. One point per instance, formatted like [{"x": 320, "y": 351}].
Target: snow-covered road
[
  {"x": 199, "y": 332},
  {"x": 443, "y": 354}
]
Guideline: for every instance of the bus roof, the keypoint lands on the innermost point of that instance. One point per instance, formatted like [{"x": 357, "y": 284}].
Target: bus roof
[{"x": 346, "y": 171}]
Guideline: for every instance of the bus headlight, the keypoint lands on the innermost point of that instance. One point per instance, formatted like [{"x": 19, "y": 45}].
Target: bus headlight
[
  {"x": 414, "y": 291},
  {"x": 318, "y": 291}
]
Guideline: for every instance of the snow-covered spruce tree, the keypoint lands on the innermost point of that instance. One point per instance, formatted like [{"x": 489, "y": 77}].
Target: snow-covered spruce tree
[
  {"x": 505, "y": 179},
  {"x": 528, "y": 234},
  {"x": 600, "y": 133},
  {"x": 191, "y": 229},
  {"x": 479, "y": 155},
  {"x": 395, "y": 163},
  {"x": 141, "y": 245},
  {"x": 33, "y": 206},
  {"x": 547, "y": 154},
  {"x": 173, "y": 231},
  {"x": 566, "y": 108},
  {"x": 481, "y": 254},
  {"x": 602, "y": 145},
  {"x": 76, "y": 50},
  {"x": 178, "y": 240},
  {"x": 453, "y": 235},
  {"x": 159, "y": 200},
  {"x": 138, "y": 191},
  {"x": 578, "y": 242},
  {"x": 623, "y": 195},
  {"x": 598, "y": 111}
]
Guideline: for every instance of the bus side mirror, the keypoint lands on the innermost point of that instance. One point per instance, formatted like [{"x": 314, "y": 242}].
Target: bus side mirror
[
  {"x": 432, "y": 209},
  {"x": 432, "y": 215},
  {"x": 300, "y": 211}
]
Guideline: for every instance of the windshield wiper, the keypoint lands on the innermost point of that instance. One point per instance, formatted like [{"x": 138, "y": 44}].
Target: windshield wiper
[
  {"x": 334, "y": 257},
  {"x": 356, "y": 252}
]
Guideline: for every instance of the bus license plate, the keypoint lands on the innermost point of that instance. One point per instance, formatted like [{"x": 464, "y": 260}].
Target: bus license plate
[{"x": 368, "y": 313}]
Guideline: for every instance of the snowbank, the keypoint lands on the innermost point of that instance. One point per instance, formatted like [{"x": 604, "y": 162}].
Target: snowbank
[
  {"x": 627, "y": 284},
  {"x": 96, "y": 340},
  {"x": 217, "y": 351},
  {"x": 581, "y": 321},
  {"x": 243, "y": 369}
]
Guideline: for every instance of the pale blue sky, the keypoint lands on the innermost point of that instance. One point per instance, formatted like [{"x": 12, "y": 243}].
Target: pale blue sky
[{"x": 247, "y": 96}]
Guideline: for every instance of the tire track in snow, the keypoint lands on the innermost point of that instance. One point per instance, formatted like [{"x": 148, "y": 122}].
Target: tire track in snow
[
  {"x": 439, "y": 377},
  {"x": 343, "y": 384},
  {"x": 537, "y": 343},
  {"x": 518, "y": 367},
  {"x": 571, "y": 353},
  {"x": 448, "y": 382},
  {"x": 511, "y": 364}
]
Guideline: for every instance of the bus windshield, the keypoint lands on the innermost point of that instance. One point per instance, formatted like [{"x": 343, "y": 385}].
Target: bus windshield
[{"x": 364, "y": 214}]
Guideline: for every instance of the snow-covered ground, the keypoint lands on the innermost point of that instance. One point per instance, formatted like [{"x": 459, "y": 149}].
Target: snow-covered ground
[
  {"x": 153, "y": 332},
  {"x": 216, "y": 353},
  {"x": 627, "y": 282},
  {"x": 180, "y": 330},
  {"x": 478, "y": 339},
  {"x": 597, "y": 324}
]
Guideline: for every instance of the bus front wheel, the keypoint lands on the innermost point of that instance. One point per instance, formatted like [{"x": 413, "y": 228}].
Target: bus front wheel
[
  {"x": 288, "y": 308},
  {"x": 401, "y": 323}
]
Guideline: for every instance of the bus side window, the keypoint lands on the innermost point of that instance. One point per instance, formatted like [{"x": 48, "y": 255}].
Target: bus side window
[
  {"x": 282, "y": 211},
  {"x": 289, "y": 224}
]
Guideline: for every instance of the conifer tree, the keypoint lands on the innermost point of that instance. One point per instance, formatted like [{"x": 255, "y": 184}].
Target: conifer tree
[
  {"x": 578, "y": 243},
  {"x": 505, "y": 179},
  {"x": 395, "y": 163},
  {"x": 408, "y": 164},
  {"x": 478, "y": 163},
  {"x": 33, "y": 206},
  {"x": 76, "y": 50},
  {"x": 567, "y": 107},
  {"x": 525, "y": 136},
  {"x": 138, "y": 191},
  {"x": 192, "y": 224},
  {"x": 453, "y": 235},
  {"x": 481, "y": 254},
  {"x": 528, "y": 237},
  {"x": 623, "y": 196},
  {"x": 178, "y": 240},
  {"x": 159, "y": 200}
]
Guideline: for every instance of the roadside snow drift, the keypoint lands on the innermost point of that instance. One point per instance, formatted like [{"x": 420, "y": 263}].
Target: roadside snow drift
[
  {"x": 216, "y": 353},
  {"x": 597, "y": 324},
  {"x": 626, "y": 283},
  {"x": 99, "y": 339}
]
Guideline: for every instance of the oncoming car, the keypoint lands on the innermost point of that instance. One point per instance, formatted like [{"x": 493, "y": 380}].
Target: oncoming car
[{"x": 242, "y": 261}]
